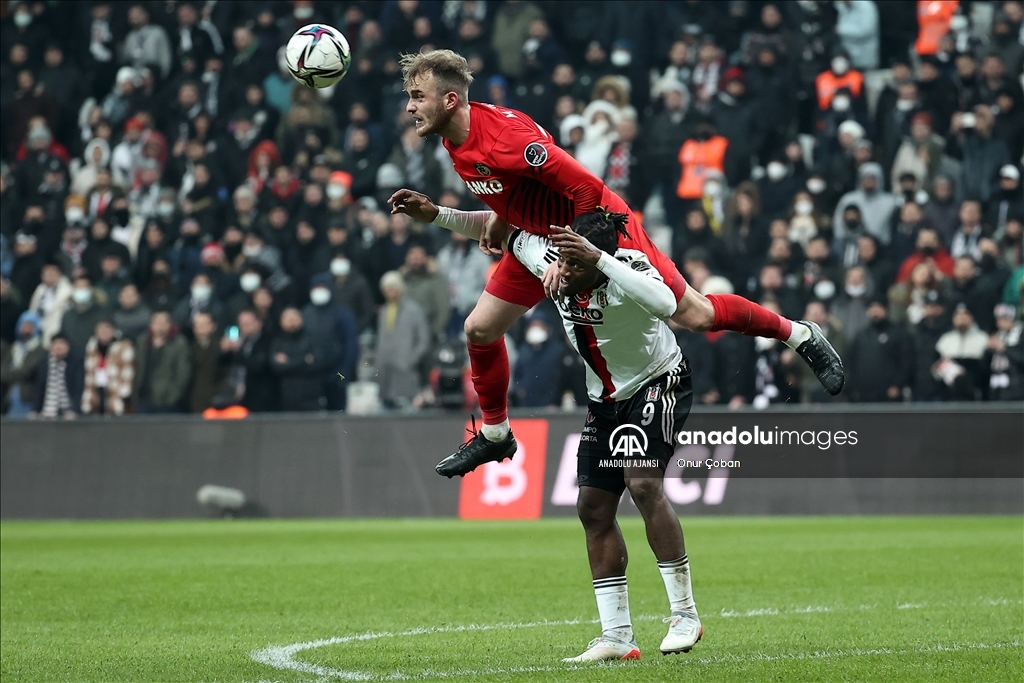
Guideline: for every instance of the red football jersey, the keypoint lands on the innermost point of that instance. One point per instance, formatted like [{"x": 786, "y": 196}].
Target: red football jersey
[{"x": 514, "y": 166}]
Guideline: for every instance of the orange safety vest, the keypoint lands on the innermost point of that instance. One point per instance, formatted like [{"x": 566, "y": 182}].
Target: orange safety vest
[
  {"x": 828, "y": 83},
  {"x": 696, "y": 158},
  {"x": 933, "y": 17}
]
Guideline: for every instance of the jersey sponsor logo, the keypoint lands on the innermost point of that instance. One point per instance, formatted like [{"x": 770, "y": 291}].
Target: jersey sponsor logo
[
  {"x": 653, "y": 393},
  {"x": 492, "y": 186},
  {"x": 640, "y": 266},
  {"x": 482, "y": 169},
  {"x": 590, "y": 417},
  {"x": 535, "y": 154},
  {"x": 580, "y": 314}
]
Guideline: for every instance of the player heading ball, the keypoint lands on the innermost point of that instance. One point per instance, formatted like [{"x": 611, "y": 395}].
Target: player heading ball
[{"x": 514, "y": 166}]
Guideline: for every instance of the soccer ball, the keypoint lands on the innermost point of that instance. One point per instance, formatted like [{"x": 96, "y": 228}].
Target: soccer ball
[{"x": 318, "y": 55}]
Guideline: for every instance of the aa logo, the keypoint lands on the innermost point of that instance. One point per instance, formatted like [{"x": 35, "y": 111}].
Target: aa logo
[{"x": 628, "y": 441}]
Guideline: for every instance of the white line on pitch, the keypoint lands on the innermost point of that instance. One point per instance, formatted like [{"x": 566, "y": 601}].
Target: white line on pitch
[{"x": 282, "y": 657}]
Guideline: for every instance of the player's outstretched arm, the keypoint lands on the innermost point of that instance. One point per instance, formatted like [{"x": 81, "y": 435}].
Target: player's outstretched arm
[
  {"x": 642, "y": 286},
  {"x": 473, "y": 224}
]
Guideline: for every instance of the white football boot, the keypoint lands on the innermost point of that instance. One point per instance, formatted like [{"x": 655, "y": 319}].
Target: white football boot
[
  {"x": 684, "y": 631},
  {"x": 606, "y": 649}
]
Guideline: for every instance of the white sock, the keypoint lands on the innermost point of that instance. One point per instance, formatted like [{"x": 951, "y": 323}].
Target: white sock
[
  {"x": 799, "y": 335},
  {"x": 496, "y": 432},
  {"x": 676, "y": 575},
  {"x": 613, "y": 606}
]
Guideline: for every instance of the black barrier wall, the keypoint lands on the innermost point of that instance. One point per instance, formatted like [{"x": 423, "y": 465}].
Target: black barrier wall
[{"x": 902, "y": 461}]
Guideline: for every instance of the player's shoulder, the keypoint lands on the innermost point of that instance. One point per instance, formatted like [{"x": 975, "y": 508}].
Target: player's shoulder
[{"x": 635, "y": 259}]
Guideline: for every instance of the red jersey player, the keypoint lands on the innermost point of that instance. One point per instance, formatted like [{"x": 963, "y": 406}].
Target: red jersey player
[{"x": 513, "y": 166}]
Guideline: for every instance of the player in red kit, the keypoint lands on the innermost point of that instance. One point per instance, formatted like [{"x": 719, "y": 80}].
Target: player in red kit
[{"x": 511, "y": 164}]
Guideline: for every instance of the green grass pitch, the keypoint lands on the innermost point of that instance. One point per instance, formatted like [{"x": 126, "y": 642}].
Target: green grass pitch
[{"x": 782, "y": 599}]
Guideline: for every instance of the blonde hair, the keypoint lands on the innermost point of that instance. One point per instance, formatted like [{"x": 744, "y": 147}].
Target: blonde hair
[{"x": 450, "y": 69}]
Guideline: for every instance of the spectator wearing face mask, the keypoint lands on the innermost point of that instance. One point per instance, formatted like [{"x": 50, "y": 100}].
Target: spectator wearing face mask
[
  {"x": 403, "y": 338},
  {"x": 86, "y": 310},
  {"x": 200, "y": 299},
  {"x": 705, "y": 151},
  {"x": 535, "y": 378},
  {"x": 350, "y": 290},
  {"x": 879, "y": 359},
  {"x": 840, "y": 77},
  {"x": 334, "y": 337},
  {"x": 927, "y": 249},
  {"x": 875, "y": 204},
  {"x": 850, "y": 305}
]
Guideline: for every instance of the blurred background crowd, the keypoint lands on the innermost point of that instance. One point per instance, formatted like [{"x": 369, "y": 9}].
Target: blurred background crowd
[{"x": 184, "y": 228}]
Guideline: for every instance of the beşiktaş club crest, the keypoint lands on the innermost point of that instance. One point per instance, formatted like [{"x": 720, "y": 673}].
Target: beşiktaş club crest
[
  {"x": 653, "y": 393},
  {"x": 482, "y": 169}
]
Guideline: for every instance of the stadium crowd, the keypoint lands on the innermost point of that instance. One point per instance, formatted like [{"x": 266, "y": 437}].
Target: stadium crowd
[{"x": 184, "y": 228}]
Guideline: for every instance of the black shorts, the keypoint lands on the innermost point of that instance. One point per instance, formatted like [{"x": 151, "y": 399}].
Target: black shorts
[{"x": 635, "y": 436}]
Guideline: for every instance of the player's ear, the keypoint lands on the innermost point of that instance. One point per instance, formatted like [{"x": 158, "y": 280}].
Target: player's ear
[{"x": 451, "y": 100}]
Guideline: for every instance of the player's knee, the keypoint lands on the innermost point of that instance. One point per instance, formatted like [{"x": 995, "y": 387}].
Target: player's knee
[
  {"x": 595, "y": 516},
  {"x": 479, "y": 332},
  {"x": 695, "y": 313},
  {"x": 646, "y": 492}
]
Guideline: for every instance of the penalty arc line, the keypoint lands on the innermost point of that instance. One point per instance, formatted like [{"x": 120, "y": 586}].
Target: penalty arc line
[{"x": 282, "y": 657}]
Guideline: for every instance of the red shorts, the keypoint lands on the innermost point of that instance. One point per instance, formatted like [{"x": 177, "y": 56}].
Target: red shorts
[{"x": 512, "y": 282}]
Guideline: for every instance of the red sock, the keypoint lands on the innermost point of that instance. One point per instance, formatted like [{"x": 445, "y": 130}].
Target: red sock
[
  {"x": 736, "y": 314},
  {"x": 489, "y": 363}
]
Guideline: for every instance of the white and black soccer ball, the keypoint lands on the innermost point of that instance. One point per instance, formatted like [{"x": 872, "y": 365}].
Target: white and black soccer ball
[{"x": 318, "y": 55}]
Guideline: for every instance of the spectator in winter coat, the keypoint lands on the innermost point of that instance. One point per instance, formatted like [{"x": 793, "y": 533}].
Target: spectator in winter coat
[
  {"x": 59, "y": 381},
  {"x": 928, "y": 249},
  {"x": 983, "y": 154},
  {"x": 293, "y": 359},
  {"x": 858, "y": 29},
  {"x": 535, "y": 376},
  {"x": 427, "y": 287},
  {"x": 403, "y": 337},
  {"x": 926, "y": 334},
  {"x": 466, "y": 268},
  {"x": 352, "y": 291},
  {"x": 961, "y": 351},
  {"x": 163, "y": 367},
  {"x": 19, "y": 366},
  {"x": 207, "y": 370},
  {"x": 51, "y": 300},
  {"x": 1004, "y": 359},
  {"x": 334, "y": 335},
  {"x": 879, "y": 359},
  {"x": 876, "y": 205},
  {"x": 109, "y": 371},
  {"x": 250, "y": 377},
  {"x": 79, "y": 322}
]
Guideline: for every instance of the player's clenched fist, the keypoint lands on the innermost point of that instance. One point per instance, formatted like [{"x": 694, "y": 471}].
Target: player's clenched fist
[{"x": 415, "y": 205}]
